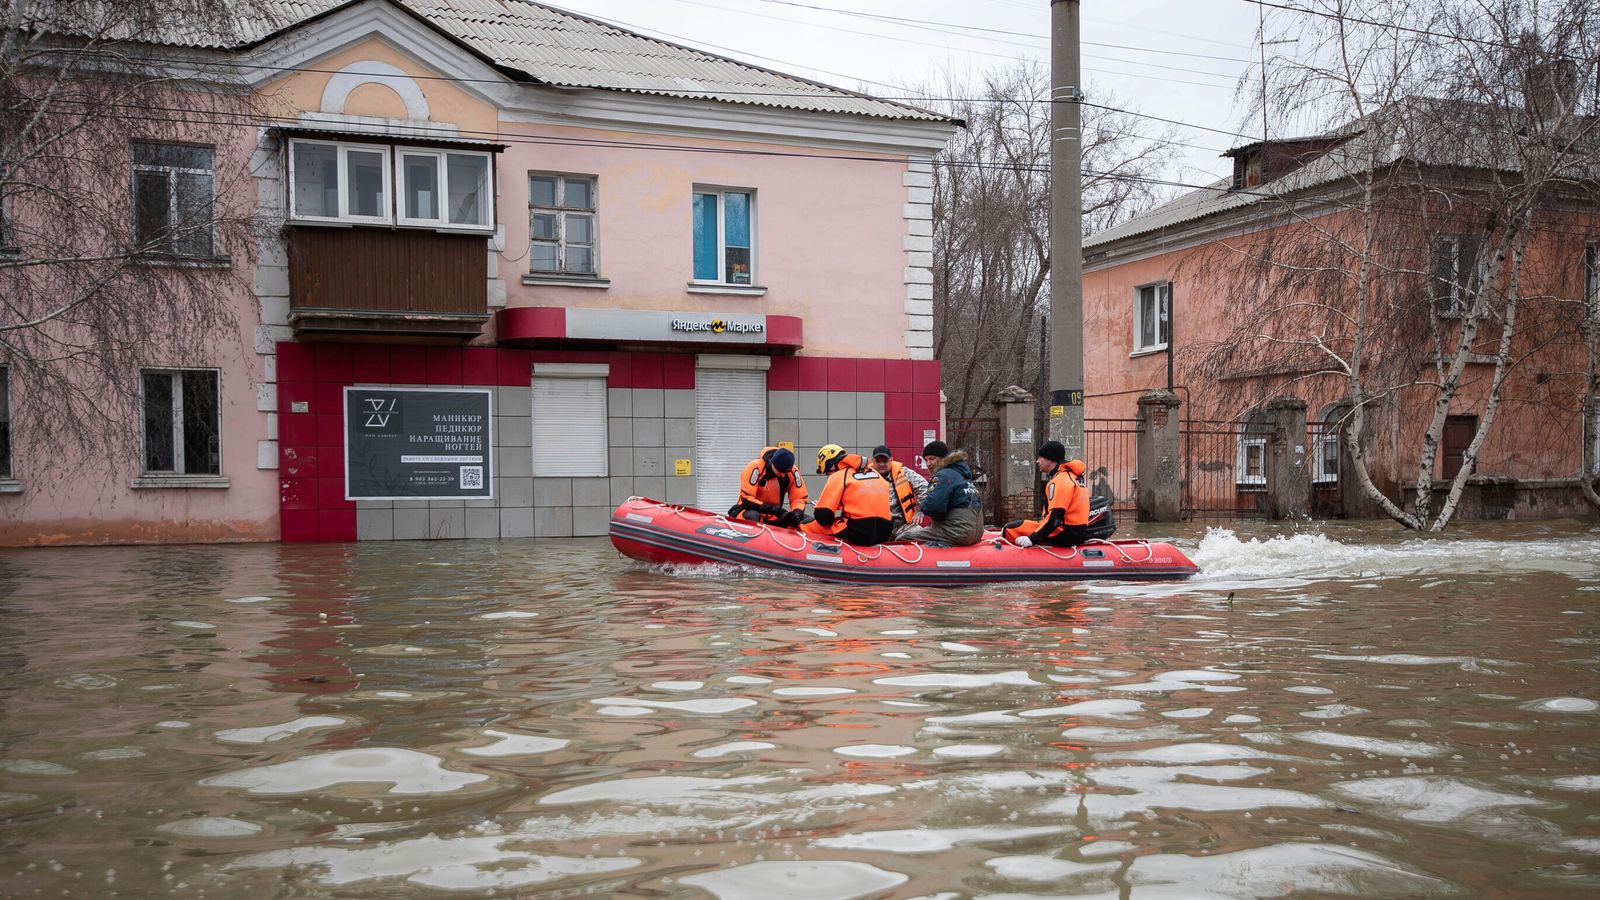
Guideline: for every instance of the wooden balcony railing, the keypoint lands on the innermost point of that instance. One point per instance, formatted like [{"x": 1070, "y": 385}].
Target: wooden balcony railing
[{"x": 387, "y": 281}]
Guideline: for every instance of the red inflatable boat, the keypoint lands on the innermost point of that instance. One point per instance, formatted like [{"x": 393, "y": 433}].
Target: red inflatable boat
[{"x": 657, "y": 532}]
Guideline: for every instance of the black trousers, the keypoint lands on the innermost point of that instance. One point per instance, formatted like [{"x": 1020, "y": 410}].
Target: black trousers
[{"x": 866, "y": 532}]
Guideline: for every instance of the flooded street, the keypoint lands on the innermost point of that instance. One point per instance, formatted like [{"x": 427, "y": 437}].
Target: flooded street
[{"x": 1339, "y": 712}]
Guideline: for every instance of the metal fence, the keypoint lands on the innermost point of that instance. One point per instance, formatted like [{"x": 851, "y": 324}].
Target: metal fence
[
  {"x": 1111, "y": 452},
  {"x": 1224, "y": 469}
]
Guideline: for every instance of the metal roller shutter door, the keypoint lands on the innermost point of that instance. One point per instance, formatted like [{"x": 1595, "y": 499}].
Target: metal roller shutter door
[
  {"x": 569, "y": 426},
  {"x": 730, "y": 410}
]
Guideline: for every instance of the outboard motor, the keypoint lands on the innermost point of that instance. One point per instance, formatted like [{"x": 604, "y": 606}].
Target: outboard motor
[{"x": 1102, "y": 524}]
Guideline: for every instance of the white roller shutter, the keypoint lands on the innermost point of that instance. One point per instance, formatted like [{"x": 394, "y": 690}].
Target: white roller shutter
[
  {"x": 730, "y": 410},
  {"x": 569, "y": 426}
]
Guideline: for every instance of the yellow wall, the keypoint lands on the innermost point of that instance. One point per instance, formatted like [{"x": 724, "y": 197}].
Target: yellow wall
[{"x": 301, "y": 91}]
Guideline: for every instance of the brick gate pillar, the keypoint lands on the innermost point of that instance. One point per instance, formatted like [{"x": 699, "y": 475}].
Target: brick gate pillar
[
  {"x": 1288, "y": 474},
  {"x": 1013, "y": 409},
  {"x": 1160, "y": 470}
]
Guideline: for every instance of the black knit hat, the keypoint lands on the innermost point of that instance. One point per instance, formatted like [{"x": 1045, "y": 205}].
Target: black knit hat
[
  {"x": 936, "y": 448},
  {"x": 1053, "y": 451}
]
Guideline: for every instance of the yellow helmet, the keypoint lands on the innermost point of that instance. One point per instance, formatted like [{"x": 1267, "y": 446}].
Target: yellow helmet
[{"x": 828, "y": 456}]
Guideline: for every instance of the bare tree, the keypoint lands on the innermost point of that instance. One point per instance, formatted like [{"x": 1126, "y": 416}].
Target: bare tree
[
  {"x": 1447, "y": 141},
  {"x": 991, "y": 206},
  {"x": 127, "y": 213}
]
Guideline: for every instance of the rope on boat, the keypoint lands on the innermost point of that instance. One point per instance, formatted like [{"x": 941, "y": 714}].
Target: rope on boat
[
  {"x": 773, "y": 533},
  {"x": 921, "y": 552}
]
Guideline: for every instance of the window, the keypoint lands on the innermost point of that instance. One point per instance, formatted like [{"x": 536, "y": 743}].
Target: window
[
  {"x": 562, "y": 225},
  {"x": 344, "y": 182},
  {"x": 1151, "y": 309},
  {"x": 1250, "y": 467},
  {"x": 724, "y": 236},
  {"x": 1250, "y": 452},
  {"x": 1458, "y": 434},
  {"x": 173, "y": 200},
  {"x": 181, "y": 433},
  {"x": 569, "y": 421},
  {"x": 5, "y": 422},
  {"x": 1455, "y": 274},
  {"x": 1326, "y": 446},
  {"x": 1591, "y": 280},
  {"x": 444, "y": 188}
]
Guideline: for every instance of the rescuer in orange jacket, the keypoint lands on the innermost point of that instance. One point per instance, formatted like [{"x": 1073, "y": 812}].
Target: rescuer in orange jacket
[
  {"x": 854, "y": 504},
  {"x": 1065, "y": 520},
  {"x": 771, "y": 490},
  {"x": 907, "y": 488}
]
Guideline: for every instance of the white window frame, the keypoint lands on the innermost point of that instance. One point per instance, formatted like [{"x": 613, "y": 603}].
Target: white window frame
[
  {"x": 1163, "y": 295},
  {"x": 1320, "y": 473},
  {"x": 442, "y": 190},
  {"x": 721, "y": 193},
  {"x": 179, "y": 466},
  {"x": 560, "y": 212},
  {"x": 441, "y": 160},
  {"x": 343, "y": 193},
  {"x": 602, "y": 460},
  {"x": 173, "y": 216},
  {"x": 1241, "y": 474}
]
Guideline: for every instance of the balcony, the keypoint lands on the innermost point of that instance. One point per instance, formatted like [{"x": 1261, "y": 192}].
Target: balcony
[{"x": 413, "y": 282}]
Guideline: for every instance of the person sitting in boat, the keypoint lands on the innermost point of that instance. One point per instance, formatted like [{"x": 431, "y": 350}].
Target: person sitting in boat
[
  {"x": 907, "y": 488},
  {"x": 854, "y": 504},
  {"x": 952, "y": 503},
  {"x": 771, "y": 490},
  {"x": 1065, "y": 520}
]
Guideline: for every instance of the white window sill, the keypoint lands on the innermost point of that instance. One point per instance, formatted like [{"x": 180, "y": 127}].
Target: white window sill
[
  {"x": 161, "y": 482},
  {"x": 10, "y": 486},
  {"x": 1148, "y": 351},
  {"x": 1323, "y": 482},
  {"x": 742, "y": 290},
  {"x": 582, "y": 281}
]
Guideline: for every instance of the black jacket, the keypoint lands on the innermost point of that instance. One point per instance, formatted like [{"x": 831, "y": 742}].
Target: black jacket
[{"x": 952, "y": 487}]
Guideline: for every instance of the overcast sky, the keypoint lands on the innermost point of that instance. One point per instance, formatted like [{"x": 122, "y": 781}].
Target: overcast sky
[{"x": 852, "y": 50}]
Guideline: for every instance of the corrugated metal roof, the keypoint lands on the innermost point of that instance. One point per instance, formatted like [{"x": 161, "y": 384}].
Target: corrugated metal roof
[
  {"x": 561, "y": 48},
  {"x": 1424, "y": 131}
]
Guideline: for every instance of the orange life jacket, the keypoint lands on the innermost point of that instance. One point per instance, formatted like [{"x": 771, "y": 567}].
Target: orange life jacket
[
  {"x": 854, "y": 491},
  {"x": 1068, "y": 492},
  {"x": 759, "y": 487},
  {"x": 903, "y": 489}
]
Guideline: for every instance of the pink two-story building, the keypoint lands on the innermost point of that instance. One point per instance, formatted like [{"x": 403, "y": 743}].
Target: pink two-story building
[{"x": 530, "y": 265}]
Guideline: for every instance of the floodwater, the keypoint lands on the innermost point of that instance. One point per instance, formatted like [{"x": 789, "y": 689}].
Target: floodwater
[{"x": 1344, "y": 712}]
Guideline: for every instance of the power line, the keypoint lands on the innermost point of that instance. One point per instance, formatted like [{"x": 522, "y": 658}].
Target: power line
[
  {"x": 142, "y": 113},
  {"x": 1391, "y": 26},
  {"x": 926, "y": 27},
  {"x": 910, "y": 96},
  {"x": 921, "y": 23}
]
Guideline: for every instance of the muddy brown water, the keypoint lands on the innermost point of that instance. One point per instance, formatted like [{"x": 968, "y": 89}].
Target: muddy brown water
[{"x": 1344, "y": 711}]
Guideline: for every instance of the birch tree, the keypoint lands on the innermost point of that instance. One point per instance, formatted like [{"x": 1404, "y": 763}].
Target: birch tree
[{"x": 1448, "y": 139}]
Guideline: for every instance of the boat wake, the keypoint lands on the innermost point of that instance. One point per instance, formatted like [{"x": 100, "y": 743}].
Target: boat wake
[{"x": 1228, "y": 562}]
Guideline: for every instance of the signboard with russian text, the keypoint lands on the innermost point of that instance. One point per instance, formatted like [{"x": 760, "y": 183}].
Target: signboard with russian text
[{"x": 417, "y": 444}]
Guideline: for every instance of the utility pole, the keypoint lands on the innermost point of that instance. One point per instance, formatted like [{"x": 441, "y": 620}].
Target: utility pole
[{"x": 1066, "y": 230}]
